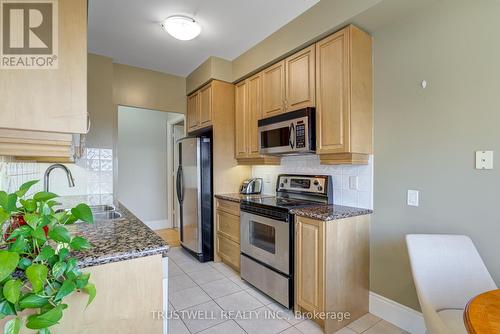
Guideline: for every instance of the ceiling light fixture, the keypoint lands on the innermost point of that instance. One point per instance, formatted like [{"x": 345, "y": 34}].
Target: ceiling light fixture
[{"x": 181, "y": 27}]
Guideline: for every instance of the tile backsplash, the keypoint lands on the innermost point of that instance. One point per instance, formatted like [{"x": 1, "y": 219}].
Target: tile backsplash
[
  {"x": 342, "y": 194},
  {"x": 93, "y": 174}
]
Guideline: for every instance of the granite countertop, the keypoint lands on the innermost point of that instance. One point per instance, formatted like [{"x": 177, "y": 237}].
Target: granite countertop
[
  {"x": 236, "y": 197},
  {"x": 114, "y": 240},
  {"x": 330, "y": 212}
]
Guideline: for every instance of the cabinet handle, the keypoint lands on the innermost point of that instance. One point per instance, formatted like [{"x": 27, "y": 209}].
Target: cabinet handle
[{"x": 89, "y": 123}]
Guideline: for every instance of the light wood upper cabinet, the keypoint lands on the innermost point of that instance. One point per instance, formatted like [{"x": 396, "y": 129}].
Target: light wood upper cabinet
[
  {"x": 206, "y": 105},
  {"x": 193, "y": 111},
  {"x": 241, "y": 116},
  {"x": 300, "y": 80},
  {"x": 51, "y": 100},
  {"x": 273, "y": 90},
  {"x": 344, "y": 103},
  {"x": 248, "y": 112},
  {"x": 254, "y": 114}
]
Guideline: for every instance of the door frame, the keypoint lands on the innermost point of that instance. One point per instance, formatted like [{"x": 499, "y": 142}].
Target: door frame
[{"x": 171, "y": 169}]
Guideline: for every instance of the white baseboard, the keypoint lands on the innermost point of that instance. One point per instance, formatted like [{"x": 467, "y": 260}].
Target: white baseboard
[
  {"x": 397, "y": 314},
  {"x": 157, "y": 224}
]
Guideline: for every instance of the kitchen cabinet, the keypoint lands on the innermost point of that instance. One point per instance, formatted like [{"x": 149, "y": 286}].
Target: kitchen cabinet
[
  {"x": 51, "y": 100},
  {"x": 273, "y": 90},
  {"x": 200, "y": 106},
  {"x": 193, "y": 111},
  {"x": 227, "y": 224},
  {"x": 332, "y": 265},
  {"x": 289, "y": 84},
  {"x": 300, "y": 80},
  {"x": 248, "y": 109},
  {"x": 344, "y": 102}
]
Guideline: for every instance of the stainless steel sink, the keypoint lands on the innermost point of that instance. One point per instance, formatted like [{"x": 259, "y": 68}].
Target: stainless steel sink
[
  {"x": 101, "y": 212},
  {"x": 107, "y": 215}
]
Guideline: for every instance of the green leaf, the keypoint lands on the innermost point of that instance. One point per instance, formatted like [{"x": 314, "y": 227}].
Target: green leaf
[
  {"x": 58, "y": 269},
  {"x": 19, "y": 246},
  {"x": 24, "y": 231},
  {"x": 6, "y": 308},
  {"x": 29, "y": 205},
  {"x": 24, "y": 263},
  {"x": 46, "y": 210},
  {"x": 47, "y": 319},
  {"x": 72, "y": 270},
  {"x": 60, "y": 234},
  {"x": 4, "y": 215},
  {"x": 37, "y": 274},
  {"x": 33, "y": 301},
  {"x": 91, "y": 291},
  {"x": 8, "y": 263},
  {"x": 32, "y": 220},
  {"x": 23, "y": 189},
  {"x": 82, "y": 280},
  {"x": 46, "y": 253},
  {"x": 82, "y": 211},
  {"x": 66, "y": 288},
  {"x": 9, "y": 202},
  {"x": 79, "y": 243},
  {"x": 39, "y": 234},
  {"x": 63, "y": 253},
  {"x": 13, "y": 326},
  {"x": 44, "y": 196},
  {"x": 3, "y": 199},
  {"x": 12, "y": 290}
]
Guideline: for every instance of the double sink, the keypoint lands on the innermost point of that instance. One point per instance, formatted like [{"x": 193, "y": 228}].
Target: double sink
[{"x": 102, "y": 212}]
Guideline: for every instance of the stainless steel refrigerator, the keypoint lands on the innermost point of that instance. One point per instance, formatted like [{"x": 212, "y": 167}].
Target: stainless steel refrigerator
[{"x": 194, "y": 196}]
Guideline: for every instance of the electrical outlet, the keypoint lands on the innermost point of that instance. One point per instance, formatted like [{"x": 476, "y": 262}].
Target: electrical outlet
[
  {"x": 267, "y": 178},
  {"x": 412, "y": 197},
  {"x": 353, "y": 182},
  {"x": 484, "y": 159}
]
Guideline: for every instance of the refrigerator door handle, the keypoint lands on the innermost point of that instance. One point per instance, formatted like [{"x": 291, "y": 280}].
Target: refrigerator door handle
[{"x": 179, "y": 185}]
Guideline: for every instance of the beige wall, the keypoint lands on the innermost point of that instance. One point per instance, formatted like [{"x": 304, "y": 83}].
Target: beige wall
[
  {"x": 425, "y": 139},
  {"x": 212, "y": 68},
  {"x": 323, "y": 18},
  {"x": 141, "y": 88}
]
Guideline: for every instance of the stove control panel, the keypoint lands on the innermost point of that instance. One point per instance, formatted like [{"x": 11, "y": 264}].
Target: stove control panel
[{"x": 303, "y": 184}]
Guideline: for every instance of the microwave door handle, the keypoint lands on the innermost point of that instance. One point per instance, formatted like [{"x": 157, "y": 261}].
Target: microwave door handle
[{"x": 291, "y": 138}]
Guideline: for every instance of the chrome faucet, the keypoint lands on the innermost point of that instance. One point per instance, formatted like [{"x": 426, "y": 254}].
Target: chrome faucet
[{"x": 46, "y": 177}]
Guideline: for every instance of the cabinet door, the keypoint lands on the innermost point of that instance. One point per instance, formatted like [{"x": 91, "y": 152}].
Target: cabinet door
[
  {"x": 241, "y": 128},
  {"x": 332, "y": 94},
  {"x": 300, "y": 80},
  {"x": 309, "y": 261},
  {"x": 229, "y": 251},
  {"x": 193, "y": 112},
  {"x": 273, "y": 90},
  {"x": 206, "y": 105},
  {"x": 254, "y": 114},
  {"x": 51, "y": 100},
  {"x": 228, "y": 225}
]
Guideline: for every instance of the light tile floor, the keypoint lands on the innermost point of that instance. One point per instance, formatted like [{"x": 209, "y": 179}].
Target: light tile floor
[{"x": 202, "y": 291}]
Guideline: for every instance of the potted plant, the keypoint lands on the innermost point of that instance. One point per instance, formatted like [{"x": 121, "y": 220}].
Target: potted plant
[{"x": 37, "y": 271}]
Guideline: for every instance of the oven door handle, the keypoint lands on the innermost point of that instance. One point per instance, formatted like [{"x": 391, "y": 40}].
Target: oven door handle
[{"x": 291, "y": 138}]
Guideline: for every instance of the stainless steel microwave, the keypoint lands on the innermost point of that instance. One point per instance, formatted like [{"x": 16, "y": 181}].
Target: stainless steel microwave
[{"x": 289, "y": 133}]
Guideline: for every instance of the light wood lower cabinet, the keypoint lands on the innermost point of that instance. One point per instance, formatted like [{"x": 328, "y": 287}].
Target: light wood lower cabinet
[
  {"x": 332, "y": 266},
  {"x": 227, "y": 226},
  {"x": 344, "y": 102}
]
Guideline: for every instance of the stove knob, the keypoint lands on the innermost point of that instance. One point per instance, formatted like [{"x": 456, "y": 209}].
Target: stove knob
[
  {"x": 320, "y": 188},
  {"x": 285, "y": 180},
  {"x": 282, "y": 185},
  {"x": 316, "y": 182}
]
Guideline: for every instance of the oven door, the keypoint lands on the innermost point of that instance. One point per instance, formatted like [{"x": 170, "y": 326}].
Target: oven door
[{"x": 266, "y": 240}]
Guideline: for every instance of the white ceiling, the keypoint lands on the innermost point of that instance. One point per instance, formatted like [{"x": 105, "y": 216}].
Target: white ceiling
[{"x": 129, "y": 30}]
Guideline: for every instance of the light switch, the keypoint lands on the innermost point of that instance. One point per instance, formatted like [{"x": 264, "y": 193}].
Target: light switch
[
  {"x": 412, "y": 197},
  {"x": 484, "y": 159},
  {"x": 267, "y": 178},
  {"x": 353, "y": 182}
]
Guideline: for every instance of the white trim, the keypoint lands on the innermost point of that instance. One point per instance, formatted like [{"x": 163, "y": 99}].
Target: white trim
[
  {"x": 157, "y": 224},
  {"x": 171, "y": 169},
  {"x": 397, "y": 314}
]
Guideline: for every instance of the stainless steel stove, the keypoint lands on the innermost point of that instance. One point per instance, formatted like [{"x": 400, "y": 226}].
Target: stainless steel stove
[{"x": 267, "y": 233}]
